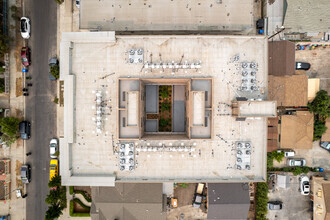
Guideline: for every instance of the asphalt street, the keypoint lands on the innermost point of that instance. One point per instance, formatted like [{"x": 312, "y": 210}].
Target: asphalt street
[{"x": 40, "y": 109}]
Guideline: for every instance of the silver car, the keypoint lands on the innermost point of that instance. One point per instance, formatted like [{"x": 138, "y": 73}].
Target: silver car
[
  {"x": 295, "y": 162},
  {"x": 53, "y": 148}
]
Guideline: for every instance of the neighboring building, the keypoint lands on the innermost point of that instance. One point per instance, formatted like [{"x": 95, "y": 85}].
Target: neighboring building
[
  {"x": 320, "y": 189},
  {"x": 297, "y": 130},
  {"x": 129, "y": 201},
  {"x": 281, "y": 56},
  {"x": 313, "y": 88},
  {"x": 228, "y": 201},
  {"x": 120, "y": 125},
  {"x": 272, "y": 137},
  {"x": 235, "y": 16},
  {"x": 288, "y": 91},
  {"x": 305, "y": 19},
  {"x": 5, "y": 179}
]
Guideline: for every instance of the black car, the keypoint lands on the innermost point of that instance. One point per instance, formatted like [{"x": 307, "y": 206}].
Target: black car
[
  {"x": 26, "y": 173},
  {"x": 274, "y": 205},
  {"x": 25, "y": 130},
  {"x": 302, "y": 66}
]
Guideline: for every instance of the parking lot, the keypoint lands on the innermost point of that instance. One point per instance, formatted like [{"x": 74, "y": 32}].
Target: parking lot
[
  {"x": 315, "y": 157},
  {"x": 319, "y": 60},
  {"x": 295, "y": 205}
]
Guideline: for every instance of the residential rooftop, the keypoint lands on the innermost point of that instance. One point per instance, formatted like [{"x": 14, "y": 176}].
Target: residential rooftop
[{"x": 93, "y": 65}]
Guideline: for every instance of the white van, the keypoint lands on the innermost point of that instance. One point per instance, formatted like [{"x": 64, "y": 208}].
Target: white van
[{"x": 287, "y": 152}]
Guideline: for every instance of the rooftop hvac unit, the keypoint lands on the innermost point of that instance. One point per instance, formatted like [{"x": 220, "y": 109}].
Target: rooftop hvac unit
[
  {"x": 131, "y": 160},
  {"x": 239, "y": 160},
  {"x": 239, "y": 152},
  {"x": 253, "y": 65},
  {"x": 122, "y": 168},
  {"x": 248, "y": 152},
  {"x": 245, "y": 73},
  {"x": 122, "y": 161},
  {"x": 247, "y": 167},
  {"x": 130, "y": 153},
  {"x": 244, "y": 65},
  {"x": 131, "y": 168},
  {"x": 131, "y": 51},
  {"x": 253, "y": 73},
  {"x": 139, "y": 51},
  {"x": 238, "y": 167},
  {"x": 122, "y": 154},
  {"x": 247, "y": 145}
]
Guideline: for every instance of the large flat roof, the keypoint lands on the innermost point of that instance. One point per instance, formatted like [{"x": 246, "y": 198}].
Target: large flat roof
[
  {"x": 94, "y": 61},
  {"x": 142, "y": 15}
]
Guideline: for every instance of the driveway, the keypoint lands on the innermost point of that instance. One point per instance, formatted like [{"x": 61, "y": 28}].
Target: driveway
[{"x": 295, "y": 205}]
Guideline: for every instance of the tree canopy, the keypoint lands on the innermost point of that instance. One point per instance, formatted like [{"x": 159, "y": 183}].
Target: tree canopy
[
  {"x": 320, "y": 105},
  {"x": 9, "y": 128}
]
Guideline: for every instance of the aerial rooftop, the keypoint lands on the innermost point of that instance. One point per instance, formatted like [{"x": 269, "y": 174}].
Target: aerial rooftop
[
  {"x": 102, "y": 85},
  {"x": 174, "y": 15}
]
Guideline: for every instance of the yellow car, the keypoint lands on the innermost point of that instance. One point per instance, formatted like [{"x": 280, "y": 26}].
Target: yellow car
[{"x": 53, "y": 169}]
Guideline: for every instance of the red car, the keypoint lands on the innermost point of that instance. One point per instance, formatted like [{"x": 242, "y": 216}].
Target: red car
[{"x": 25, "y": 55}]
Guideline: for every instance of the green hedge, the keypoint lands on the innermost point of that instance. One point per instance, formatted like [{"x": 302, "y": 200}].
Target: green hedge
[
  {"x": 76, "y": 214},
  {"x": 295, "y": 170},
  {"x": 84, "y": 194},
  {"x": 71, "y": 190},
  {"x": 261, "y": 201},
  {"x": 82, "y": 204}
]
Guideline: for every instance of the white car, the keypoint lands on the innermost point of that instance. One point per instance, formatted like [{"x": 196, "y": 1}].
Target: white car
[
  {"x": 53, "y": 148},
  {"x": 295, "y": 162},
  {"x": 304, "y": 185},
  {"x": 25, "y": 27}
]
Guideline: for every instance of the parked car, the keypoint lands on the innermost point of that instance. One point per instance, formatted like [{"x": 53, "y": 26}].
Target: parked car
[
  {"x": 26, "y": 173},
  {"x": 25, "y": 56},
  {"x": 53, "y": 168},
  {"x": 304, "y": 185},
  {"x": 25, "y": 27},
  {"x": 198, "y": 195},
  {"x": 52, "y": 62},
  {"x": 325, "y": 145},
  {"x": 293, "y": 162},
  {"x": 274, "y": 205},
  {"x": 302, "y": 66},
  {"x": 25, "y": 130},
  {"x": 53, "y": 148},
  {"x": 287, "y": 152},
  {"x": 198, "y": 201}
]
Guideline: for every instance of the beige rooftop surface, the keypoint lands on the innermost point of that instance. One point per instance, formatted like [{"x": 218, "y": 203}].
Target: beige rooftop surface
[
  {"x": 160, "y": 15},
  {"x": 297, "y": 130},
  {"x": 98, "y": 59},
  {"x": 288, "y": 90}
]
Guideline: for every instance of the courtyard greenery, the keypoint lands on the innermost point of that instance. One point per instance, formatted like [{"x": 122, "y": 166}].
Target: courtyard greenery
[
  {"x": 165, "y": 108},
  {"x": 261, "y": 201},
  {"x": 56, "y": 198},
  {"x": 77, "y": 214},
  {"x": 9, "y": 128},
  {"x": 320, "y": 108}
]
